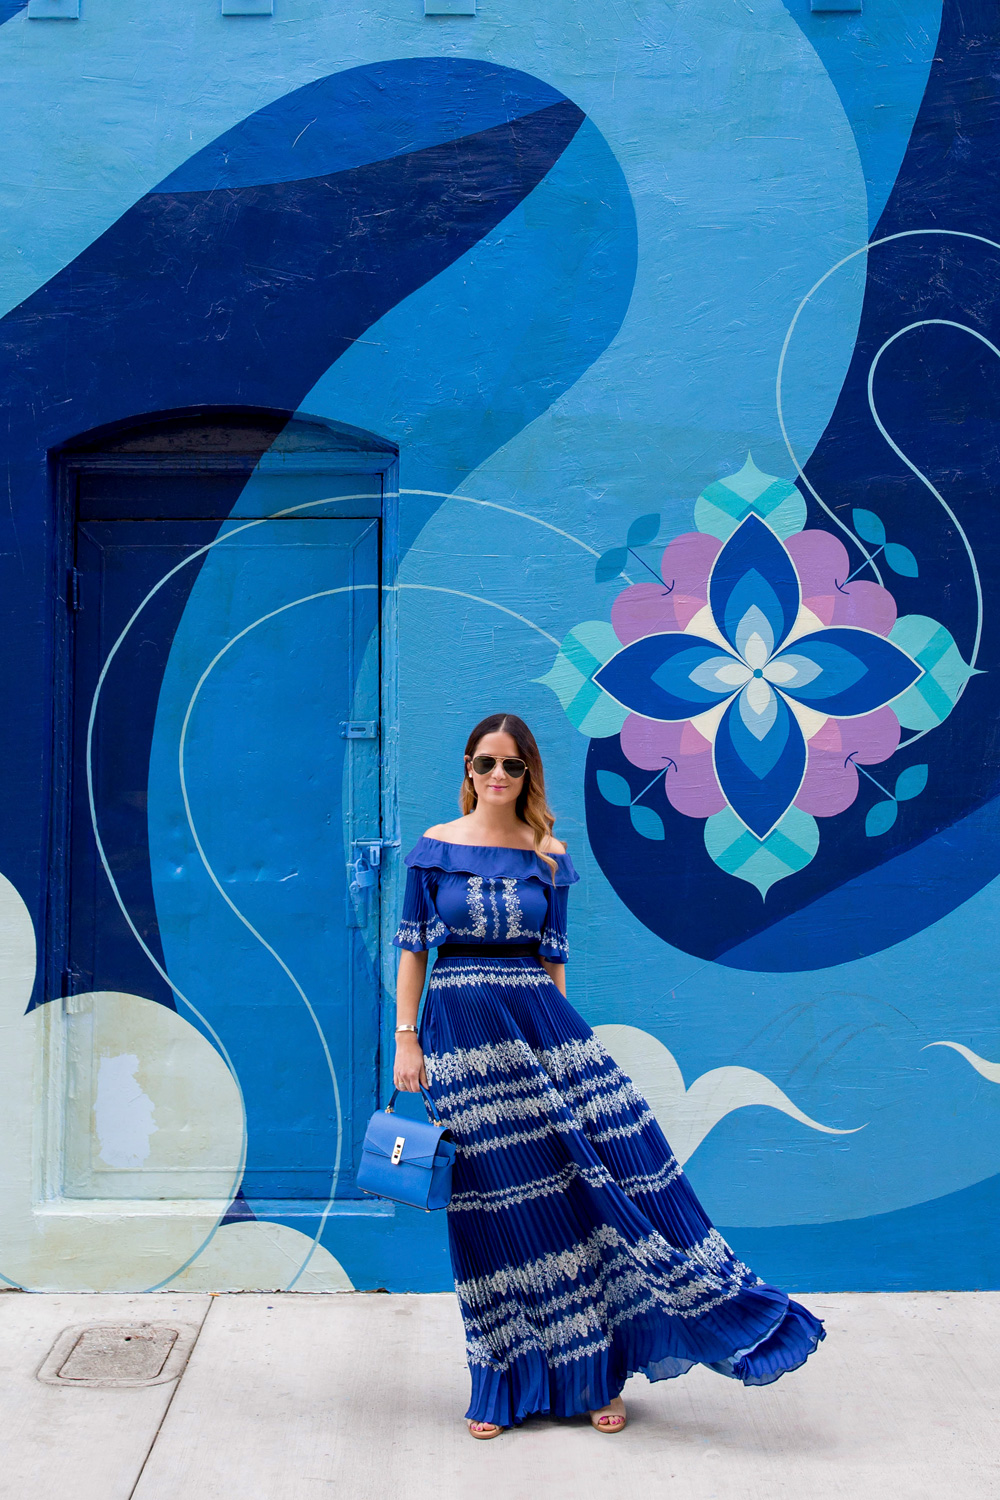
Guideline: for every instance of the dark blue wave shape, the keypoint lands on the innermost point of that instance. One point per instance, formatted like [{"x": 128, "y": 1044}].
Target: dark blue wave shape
[
  {"x": 360, "y": 116},
  {"x": 938, "y": 392},
  {"x": 247, "y": 295},
  {"x": 952, "y": 1242},
  {"x": 239, "y": 296}
]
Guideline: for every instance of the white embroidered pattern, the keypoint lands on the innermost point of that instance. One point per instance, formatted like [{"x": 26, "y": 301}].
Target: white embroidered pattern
[
  {"x": 500, "y": 1087},
  {"x": 491, "y": 1057},
  {"x": 495, "y": 911},
  {"x": 598, "y": 1176},
  {"x": 552, "y": 1124},
  {"x": 558, "y": 945},
  {"x": 576, "y": 1056},
  {"x": 477, "y": 911},
  {"x": 512, "y": 974},
  {"x": 420, "y": 934},
  {"x": 493, "y": 1199},
  {"x": 651, "y": 1182},
  {"x": 587, "y": 1291},
  {"x": 515, "y": 915},
  {"x": 595, "y": 1100},
  {"x": 485, "y": 1091},
  {"x": 605, "y": 1094},
  {"x": 514, "y": 1109}
]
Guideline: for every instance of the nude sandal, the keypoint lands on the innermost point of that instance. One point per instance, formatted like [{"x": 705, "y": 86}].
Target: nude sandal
[
  {"x": 605, "y": 1411},
  {"x": 494, "y": 1430}
]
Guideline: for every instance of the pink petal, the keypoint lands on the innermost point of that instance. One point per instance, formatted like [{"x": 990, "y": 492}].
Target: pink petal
[
  {"x": 686, "y": 563},
  {"x": 822, "y": 565},
  {"x": 643, "y": 609},
  {"x": 820, "y": 561},
  {"x": 829, "y": 785},
  {"x": 866, "y": 605},
  {"x": 686, "y": 757},
  {"x": 831, "y": 780},
  {"x": 648, "y": 607}
]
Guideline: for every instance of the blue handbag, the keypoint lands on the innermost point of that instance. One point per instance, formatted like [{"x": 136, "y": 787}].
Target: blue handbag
[{"x": 407, "y": 1160}]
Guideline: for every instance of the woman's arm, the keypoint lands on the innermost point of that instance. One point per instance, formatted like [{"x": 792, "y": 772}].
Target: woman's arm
[
  {"x": 556, "y": 972},
  {"x": 408, "y": 1070}
]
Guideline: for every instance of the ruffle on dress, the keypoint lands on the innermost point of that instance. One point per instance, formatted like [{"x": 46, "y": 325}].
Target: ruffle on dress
[{"x": 489, "y": 862}]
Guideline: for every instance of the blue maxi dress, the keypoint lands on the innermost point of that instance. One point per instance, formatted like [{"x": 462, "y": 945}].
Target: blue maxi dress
[{"x": 581, "y": 1254}]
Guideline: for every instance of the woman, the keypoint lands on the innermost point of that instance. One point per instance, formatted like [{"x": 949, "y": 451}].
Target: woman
[{"x": 580, "y": 1253}]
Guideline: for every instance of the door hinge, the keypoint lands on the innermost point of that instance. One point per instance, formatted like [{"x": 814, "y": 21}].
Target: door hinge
[
  {"x": 73, "y": 1003},
  {"x": 73, "y": 590}
]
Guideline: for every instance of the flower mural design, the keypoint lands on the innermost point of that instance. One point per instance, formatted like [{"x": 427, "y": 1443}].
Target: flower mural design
[{"x": 757, "y": 676}]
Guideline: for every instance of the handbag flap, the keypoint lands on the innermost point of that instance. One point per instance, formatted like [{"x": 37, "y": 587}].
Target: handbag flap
[{"x": 420, "y": 1139}]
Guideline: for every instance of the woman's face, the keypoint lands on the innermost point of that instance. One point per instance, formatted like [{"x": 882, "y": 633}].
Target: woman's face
[{"x": 496, "y": 788}]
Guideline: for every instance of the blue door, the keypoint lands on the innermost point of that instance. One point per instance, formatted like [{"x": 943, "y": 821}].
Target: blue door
[{"x": 225, "y": 777}]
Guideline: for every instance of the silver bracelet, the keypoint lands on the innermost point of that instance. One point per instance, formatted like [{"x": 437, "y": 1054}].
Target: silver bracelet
[{"x": 406, "y": 1028}]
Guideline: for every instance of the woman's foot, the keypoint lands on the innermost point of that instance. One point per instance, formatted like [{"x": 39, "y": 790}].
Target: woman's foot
[
  {"x": 610, "y": 1418},
  {"x": 484, "y": 1429}
]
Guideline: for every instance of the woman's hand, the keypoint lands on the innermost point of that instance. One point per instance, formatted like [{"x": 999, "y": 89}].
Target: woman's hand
[
  {"x": 408, "y": 1071},
  {"x": 556, "y": 972}
]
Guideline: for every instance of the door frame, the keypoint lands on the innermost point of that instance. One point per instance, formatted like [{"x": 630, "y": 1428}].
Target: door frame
[{"x": 68, "y": 467}]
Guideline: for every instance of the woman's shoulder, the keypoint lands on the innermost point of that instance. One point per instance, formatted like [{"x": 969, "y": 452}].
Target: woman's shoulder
[
  {"x": 456, "y": 832},
  {"x": 444, "y": 832}
]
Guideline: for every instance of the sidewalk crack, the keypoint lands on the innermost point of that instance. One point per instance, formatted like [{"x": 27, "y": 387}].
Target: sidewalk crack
[{"x": 166, "y": 1410}]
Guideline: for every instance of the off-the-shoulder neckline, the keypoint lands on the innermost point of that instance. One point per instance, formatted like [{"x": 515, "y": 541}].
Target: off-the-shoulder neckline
[
  {"x": 472, "y": 859},
  {"x": 507, "y": 848}
]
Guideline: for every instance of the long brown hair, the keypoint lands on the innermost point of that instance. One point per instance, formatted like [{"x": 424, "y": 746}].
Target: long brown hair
[{"x": 531, "y": 806}]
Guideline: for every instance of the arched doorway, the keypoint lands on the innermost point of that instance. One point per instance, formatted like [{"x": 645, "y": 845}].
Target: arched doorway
[{"x": 219, "y": 772}]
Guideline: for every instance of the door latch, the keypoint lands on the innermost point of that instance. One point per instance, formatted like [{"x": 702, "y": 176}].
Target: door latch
[
  {"x": 371, "y": 850},
  {"x": 363, "y": 876}
]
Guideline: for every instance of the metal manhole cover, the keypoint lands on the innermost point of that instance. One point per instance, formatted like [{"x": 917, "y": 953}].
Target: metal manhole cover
[{"x": 118, "y": 1354}]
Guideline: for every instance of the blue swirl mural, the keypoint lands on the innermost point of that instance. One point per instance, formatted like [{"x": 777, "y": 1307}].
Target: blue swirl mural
[
  {"x": 240, "y": 280},
  {"x": 757, "y": 638},
  {"x": 235, "y": 285},
  {"x": 909, "y": 453}
]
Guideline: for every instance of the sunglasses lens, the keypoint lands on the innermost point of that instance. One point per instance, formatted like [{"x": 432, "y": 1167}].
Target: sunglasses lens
[{"x": 483, "y": 765}]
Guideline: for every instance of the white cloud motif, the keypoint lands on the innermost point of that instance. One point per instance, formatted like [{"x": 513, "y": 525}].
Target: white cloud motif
[
  {"x": 686, "y": 1115},
  {"x": 988, "y": 1070},
  {"x": 150, "y": 1100}
]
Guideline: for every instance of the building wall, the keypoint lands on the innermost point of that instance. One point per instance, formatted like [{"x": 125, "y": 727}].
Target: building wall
[{"x": 645, "y": 299}]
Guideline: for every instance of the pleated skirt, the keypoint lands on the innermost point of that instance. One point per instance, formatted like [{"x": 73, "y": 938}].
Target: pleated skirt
[{"x": 580, "y": 1252}]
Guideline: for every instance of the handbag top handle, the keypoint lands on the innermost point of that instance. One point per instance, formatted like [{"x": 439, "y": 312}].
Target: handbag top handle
[{"x": 432, "y": 1113}]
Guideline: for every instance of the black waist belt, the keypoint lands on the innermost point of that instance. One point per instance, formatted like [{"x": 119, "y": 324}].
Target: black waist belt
[{"x": 488, "y": 950}]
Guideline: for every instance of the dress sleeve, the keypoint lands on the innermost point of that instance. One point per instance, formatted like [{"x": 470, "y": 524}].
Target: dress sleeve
[
  {"x": 553, "y": 945},
  {"x": 420, "y": 927}
]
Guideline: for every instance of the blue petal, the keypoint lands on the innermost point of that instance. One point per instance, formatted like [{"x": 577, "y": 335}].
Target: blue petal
[
  {"x": 857, "y": 671},
  {"x": 753, "y": 572},
  {"x": 760, "y": 777},
  {"x": 662, "y": 677},
  {"x": 759, "y": 724}
]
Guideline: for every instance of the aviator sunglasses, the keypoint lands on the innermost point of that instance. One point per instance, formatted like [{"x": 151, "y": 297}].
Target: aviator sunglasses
[{"x": 512, "y": 764}]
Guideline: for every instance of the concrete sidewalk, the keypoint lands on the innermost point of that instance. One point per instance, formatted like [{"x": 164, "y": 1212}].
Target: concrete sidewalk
[{"x": 291, "y": 1397}]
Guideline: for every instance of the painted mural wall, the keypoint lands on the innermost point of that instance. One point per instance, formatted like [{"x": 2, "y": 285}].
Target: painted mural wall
[{"x": 635, "y": 369}]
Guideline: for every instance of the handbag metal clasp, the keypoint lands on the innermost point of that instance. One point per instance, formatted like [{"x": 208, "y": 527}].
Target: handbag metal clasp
[{"x": 397, "y": 1150}]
